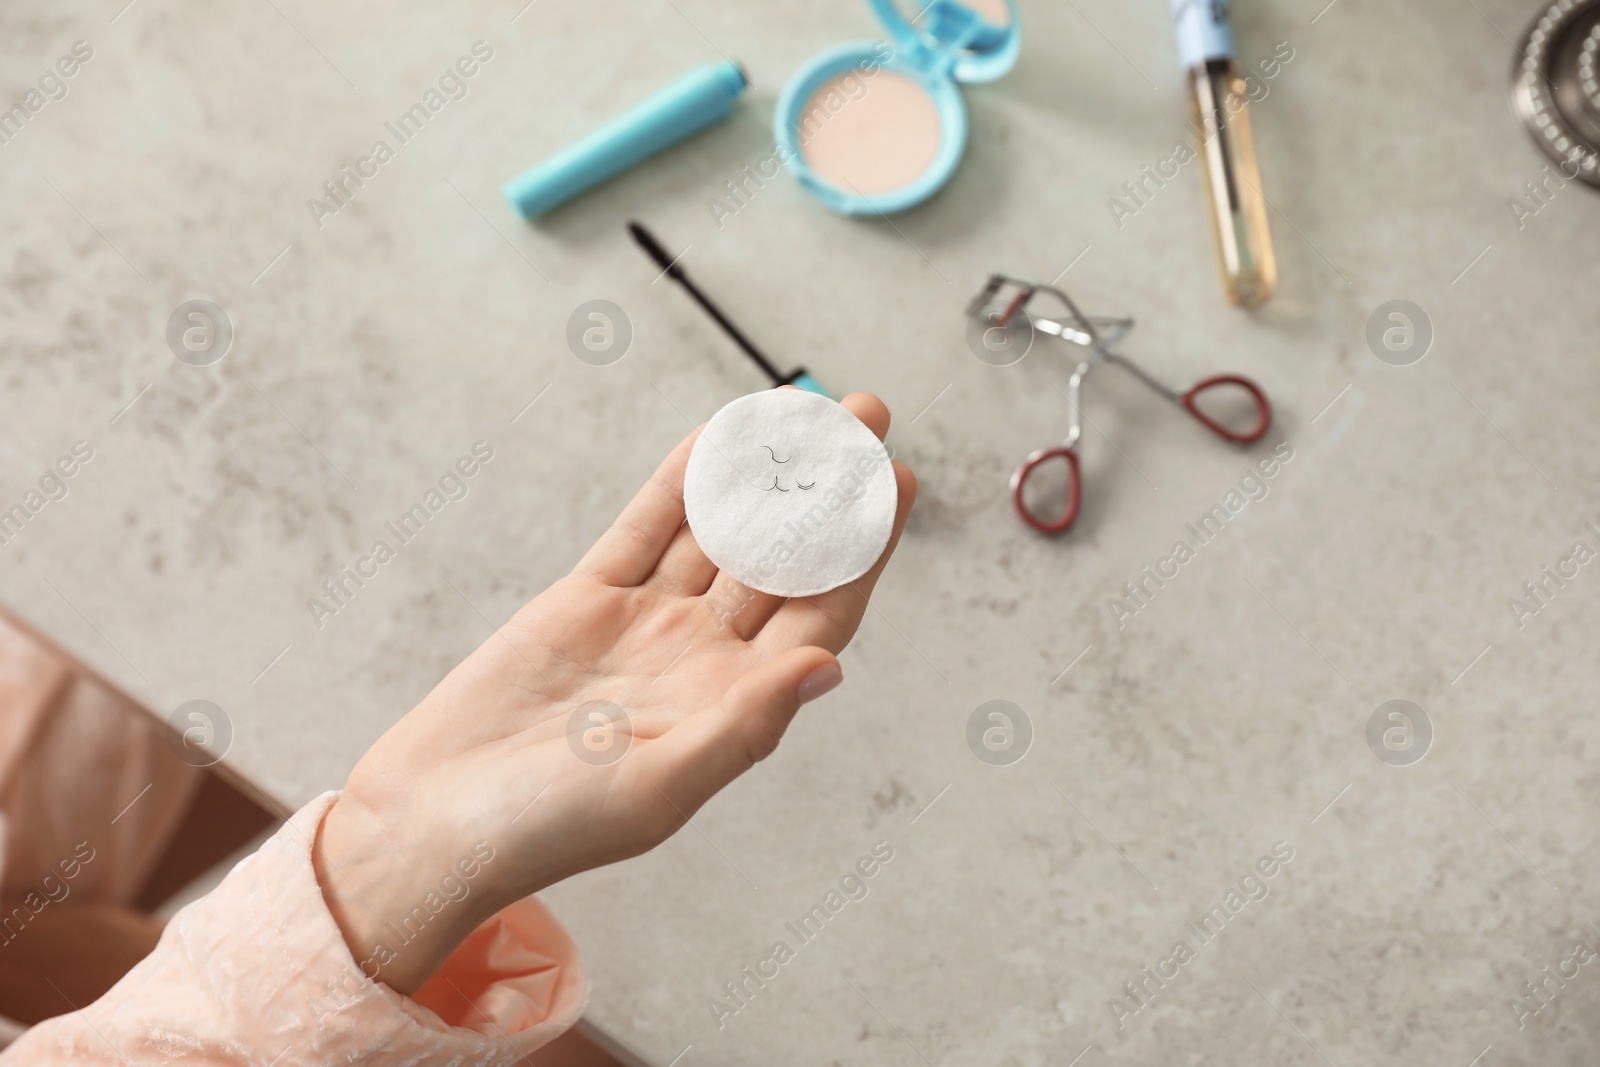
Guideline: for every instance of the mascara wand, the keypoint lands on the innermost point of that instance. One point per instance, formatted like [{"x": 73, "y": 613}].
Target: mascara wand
[{"x": 798, "y": 377}]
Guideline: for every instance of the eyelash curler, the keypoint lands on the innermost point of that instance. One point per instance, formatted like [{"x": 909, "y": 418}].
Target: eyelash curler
[{"x": 993, "y": 307}]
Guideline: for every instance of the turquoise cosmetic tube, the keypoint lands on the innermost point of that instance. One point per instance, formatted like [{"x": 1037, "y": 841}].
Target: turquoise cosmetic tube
[{"x": 700, "y": 98}]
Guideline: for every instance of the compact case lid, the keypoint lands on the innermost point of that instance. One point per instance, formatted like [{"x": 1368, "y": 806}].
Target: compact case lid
[
  {"x": 977, "y": 49},
  {"x": 949, "y": 42}
]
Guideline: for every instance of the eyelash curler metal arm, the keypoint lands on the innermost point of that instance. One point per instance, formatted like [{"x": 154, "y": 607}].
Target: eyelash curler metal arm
[{"x": 1082, "y": 330}]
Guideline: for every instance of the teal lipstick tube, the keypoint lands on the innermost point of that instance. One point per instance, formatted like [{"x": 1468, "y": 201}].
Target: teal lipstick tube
[{"x": 700, "y": 98}]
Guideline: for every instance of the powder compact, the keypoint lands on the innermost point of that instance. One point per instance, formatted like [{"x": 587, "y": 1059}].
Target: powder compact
[{"x": 873, "y": 127}]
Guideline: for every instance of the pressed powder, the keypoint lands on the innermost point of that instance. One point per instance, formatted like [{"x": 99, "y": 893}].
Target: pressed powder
[{"x": 870, "y": 135}]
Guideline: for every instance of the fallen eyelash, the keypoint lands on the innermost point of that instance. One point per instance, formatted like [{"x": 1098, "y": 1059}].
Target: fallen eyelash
[{"x": 775, "y": 458}]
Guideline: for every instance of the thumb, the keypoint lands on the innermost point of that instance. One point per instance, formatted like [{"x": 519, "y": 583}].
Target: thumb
[{"x": 711, "y": 749}]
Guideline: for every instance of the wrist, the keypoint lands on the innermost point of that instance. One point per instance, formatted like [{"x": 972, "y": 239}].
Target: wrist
[{"x": 400, "y": 911}]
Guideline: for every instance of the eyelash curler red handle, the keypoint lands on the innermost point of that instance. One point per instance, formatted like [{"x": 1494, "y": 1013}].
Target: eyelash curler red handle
[
  {"x": 1263, "y": 407},
  {"x": 1074, "y": 489}
]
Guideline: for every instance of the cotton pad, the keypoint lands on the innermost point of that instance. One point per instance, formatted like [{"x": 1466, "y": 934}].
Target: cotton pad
[{"x": 790, "y": 493}]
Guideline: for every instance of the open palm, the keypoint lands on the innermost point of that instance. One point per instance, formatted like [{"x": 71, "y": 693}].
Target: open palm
[{"x": 595, "y": 722}]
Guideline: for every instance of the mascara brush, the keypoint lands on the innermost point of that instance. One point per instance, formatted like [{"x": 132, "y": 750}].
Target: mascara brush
[{"x": 798, "y": 377}]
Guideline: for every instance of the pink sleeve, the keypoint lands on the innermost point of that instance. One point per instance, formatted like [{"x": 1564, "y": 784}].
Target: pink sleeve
[{"x": 257, "y": 973}]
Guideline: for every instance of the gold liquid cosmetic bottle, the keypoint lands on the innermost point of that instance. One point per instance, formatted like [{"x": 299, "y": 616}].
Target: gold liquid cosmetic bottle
[{"x": 1220, "y": 112}]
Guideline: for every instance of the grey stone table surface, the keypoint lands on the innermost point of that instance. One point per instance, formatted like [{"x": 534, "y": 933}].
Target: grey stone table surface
[{"x": 1173, "y": 747}]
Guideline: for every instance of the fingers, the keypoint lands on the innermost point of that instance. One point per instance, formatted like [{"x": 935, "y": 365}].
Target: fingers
[
  {"x": 830, "y": 619},
  {"x": 705, "y": 752},
  {"x": 628, "y": 552},
  {"x": 738, "y": 606},
  {"x": 684, "y": 569},
  {"x": 748, "y": 610},
  {"x": 870, "y": 410},
  {"x": 650, "y": 535}
]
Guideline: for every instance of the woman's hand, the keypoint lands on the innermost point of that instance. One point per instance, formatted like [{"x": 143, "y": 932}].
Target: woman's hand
[{"x": 684, "y": 678}]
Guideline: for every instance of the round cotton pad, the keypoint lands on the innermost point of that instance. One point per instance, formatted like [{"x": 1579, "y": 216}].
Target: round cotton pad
[{"x": 790, "y": 493}]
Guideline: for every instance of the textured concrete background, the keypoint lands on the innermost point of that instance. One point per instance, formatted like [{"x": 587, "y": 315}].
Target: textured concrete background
[{"x": 1228, "y": 715}]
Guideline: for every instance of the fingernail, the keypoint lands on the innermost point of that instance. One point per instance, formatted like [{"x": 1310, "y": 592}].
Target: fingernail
[{"x": 818, "y": 682}]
